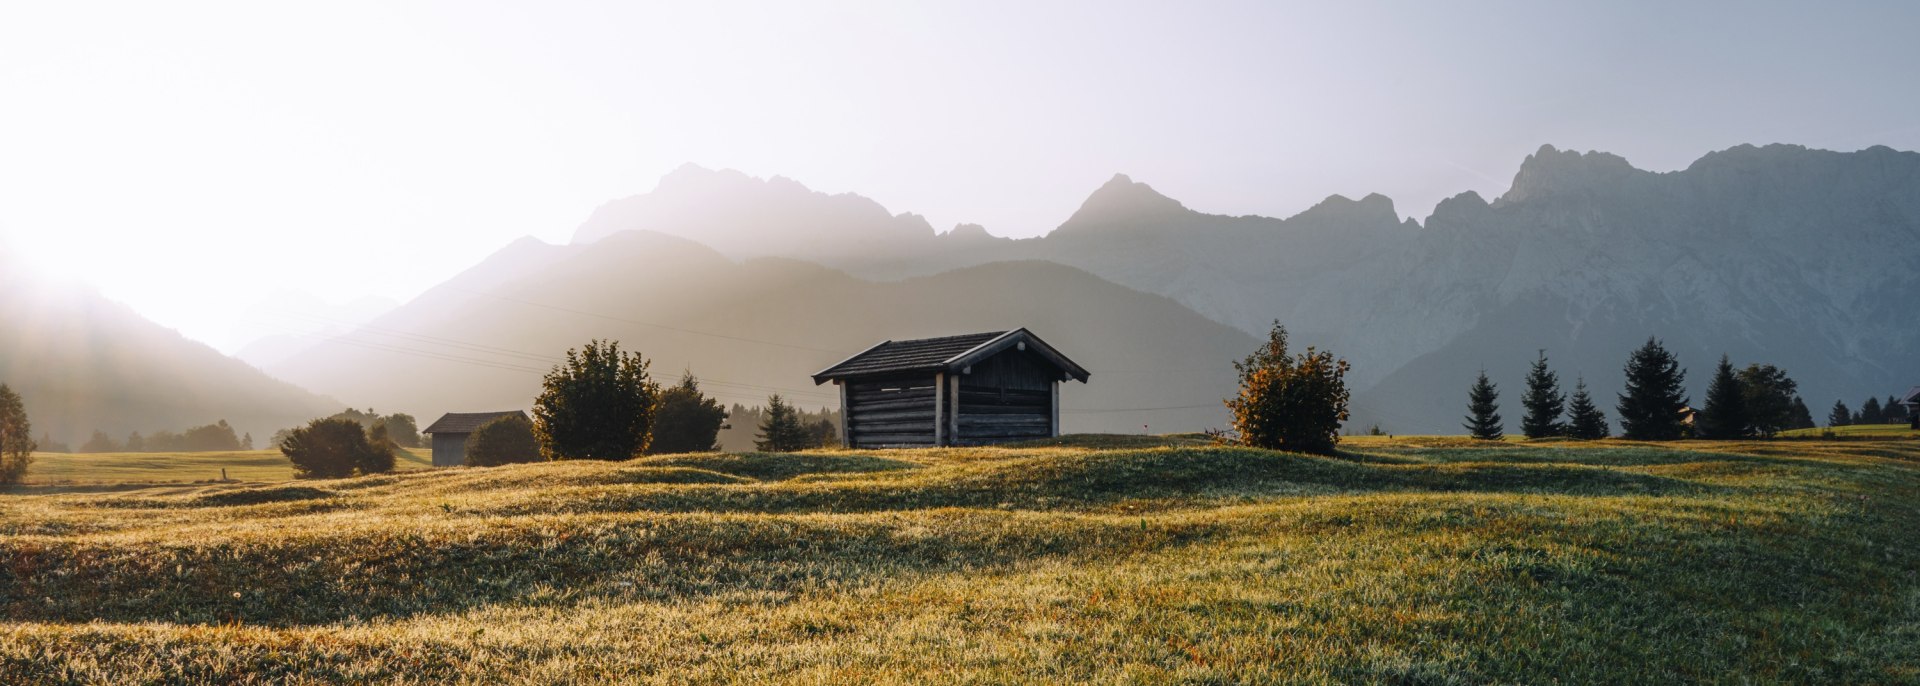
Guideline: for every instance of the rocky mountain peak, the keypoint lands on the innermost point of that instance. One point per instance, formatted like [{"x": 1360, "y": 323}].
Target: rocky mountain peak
[
  {"x": 1121, "y": 200},
  {"x": 1549, "y": 171}
]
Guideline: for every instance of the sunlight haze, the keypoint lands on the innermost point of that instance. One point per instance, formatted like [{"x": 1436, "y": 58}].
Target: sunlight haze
[{"x": 196, "y": 160}]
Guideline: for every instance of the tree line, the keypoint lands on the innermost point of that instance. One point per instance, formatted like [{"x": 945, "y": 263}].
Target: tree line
[
  {"x": 216, "y": 437},
  {"x": 598, "y": 404},
  {"x": 1757, "y": 401}
]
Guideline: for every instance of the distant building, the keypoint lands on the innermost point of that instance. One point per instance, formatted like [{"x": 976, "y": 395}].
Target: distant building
[
  {"x": 451, "y": 431},
  {"x": 975, "y": 389},
  {"x": 1911, "y": 401}
]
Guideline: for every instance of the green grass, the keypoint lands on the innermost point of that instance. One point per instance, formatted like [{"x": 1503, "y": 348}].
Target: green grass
[
  {"x": 1901, "y": 430},
  {"x": 1095, "y": 560},
  {"x": 154, "y": 468}
]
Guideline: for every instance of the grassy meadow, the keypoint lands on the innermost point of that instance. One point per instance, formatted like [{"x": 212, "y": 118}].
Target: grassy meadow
[
  {"x": 1901, "y": 430},
  {"x": 1088, "y": 559},
  {"x": 154, "y": 468}
]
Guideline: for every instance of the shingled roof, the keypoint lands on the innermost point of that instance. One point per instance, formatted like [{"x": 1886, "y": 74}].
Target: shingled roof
[
  {"x": 944, "y": 354},
  {"x": 466, "y": 422}
]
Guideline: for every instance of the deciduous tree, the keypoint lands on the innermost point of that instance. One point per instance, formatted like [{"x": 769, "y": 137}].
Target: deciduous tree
[
  {"x": 597, "y": 405},
  {"x": 16, "y": 437},
  {"x": 1288, "y": 401},
  {"x": 506, "y": 440},
  {"x": 1767, "y": 394},
  {"x": 687, "y": 420}
]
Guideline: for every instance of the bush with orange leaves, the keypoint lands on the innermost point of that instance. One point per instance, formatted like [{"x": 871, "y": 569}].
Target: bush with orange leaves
[{"x": 1287, "y": 401}]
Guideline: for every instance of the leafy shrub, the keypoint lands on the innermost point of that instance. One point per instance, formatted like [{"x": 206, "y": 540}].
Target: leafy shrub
[
  {"x": 1290, "y": 402},
  {"x": 686, "y": 421},
  {"x": 507, "y": 440},
  {"x": 336, "y": 448},
  {"x": 16, "y": 437},
  {"x": 598, "y": 405}
]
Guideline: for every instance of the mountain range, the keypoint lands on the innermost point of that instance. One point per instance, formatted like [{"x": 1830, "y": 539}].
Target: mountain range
[{"x": 1807, "y": 259}]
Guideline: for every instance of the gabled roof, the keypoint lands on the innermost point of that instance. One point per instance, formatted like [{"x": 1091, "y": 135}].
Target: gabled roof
[
  {"x": 1912, "y": 397},
  {"x": 944, "y": 354},
  {"x": 466, "y": 422}
]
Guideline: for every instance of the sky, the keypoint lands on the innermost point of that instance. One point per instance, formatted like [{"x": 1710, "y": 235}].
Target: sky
[{"x": 205, "y": 162}]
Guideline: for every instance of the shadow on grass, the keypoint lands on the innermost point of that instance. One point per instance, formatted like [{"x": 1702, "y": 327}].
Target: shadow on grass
[
  {"x": 1100, "y": 479},
  {"x": 361, "y": 575}
]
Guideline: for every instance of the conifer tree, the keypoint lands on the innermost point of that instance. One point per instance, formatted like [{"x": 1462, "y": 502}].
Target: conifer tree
[
  {"x": 1483, "y": 418},
  {"x": 782, "y": 431},
  {"x": 1544, "y": 402},
  {"x": 1585, "y": 421},
  {"x": 1725, "y": 415},
  {"x": 1871, "y": 413},
  {"x": 1655, "y": 394},
  {"x": 1802, "y": 417},
  {"x": 1840, "y": 416}
]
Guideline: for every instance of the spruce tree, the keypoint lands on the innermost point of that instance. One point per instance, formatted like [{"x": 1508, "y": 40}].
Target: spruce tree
[
  {"x": 1544, "y": 402},
  {"x": 782, "y": 431},
  {"x": 1840, "y": 416},
  {"x": 1585, "y": 421},
  {"x": 1483, "y": 420},
  {"x": 1655, "y": 394},
  {"x": 1871, "y": 413},
  {"x": 1802, "y": 417},
  {"x": 1725, "y": 415}
]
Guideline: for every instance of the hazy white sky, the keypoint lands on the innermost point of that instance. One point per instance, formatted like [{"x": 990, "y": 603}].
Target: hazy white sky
[{"x": 191, "y": 158}]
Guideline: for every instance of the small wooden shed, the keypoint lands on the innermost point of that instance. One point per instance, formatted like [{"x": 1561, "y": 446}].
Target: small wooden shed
[
  {"x": 451, "y": 431},
  {"x": 975, "y": 389}
]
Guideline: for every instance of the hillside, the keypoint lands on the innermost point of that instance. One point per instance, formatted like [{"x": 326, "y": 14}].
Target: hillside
[
  {"x": 1151, "y": 561},
  {"x": 1807, "y": 259},
  {"x": 748, "y": 329},
  {"x": 82, "y": 362}
]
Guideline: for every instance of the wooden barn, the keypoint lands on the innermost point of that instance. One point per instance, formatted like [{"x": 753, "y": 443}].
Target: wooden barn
[
  {"x": 451, "y": 431},
  {"x": 975, "y": 389}
]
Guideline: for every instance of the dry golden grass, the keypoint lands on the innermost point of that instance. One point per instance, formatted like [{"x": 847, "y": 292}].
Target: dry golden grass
[
  {"x": 1095, "y": 559},
  {"x": 154, "y": 468}
]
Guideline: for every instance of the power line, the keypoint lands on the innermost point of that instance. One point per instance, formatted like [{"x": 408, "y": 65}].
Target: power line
[
  {"x": 509, "y": 366},
  {"x": 637, "y": 322}
]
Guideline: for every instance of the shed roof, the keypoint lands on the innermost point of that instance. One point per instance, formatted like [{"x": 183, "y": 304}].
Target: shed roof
[
  {"x": 466, "y": 422},
  {"x": 944, "y": 354}
]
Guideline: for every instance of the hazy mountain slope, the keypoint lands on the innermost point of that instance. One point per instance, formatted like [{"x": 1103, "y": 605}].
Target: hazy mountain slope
[
  {"x": 761, "y": 326},
  {"x": 1803, "y": 258},
  {"x": 744, "y": 217},
  {"x": 82, "y": 363}
]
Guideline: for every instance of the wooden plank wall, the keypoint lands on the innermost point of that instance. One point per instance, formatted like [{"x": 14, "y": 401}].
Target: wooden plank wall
[
  {"x": 1007, "y": 397},
  {"x": 894, "y": 412}
]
